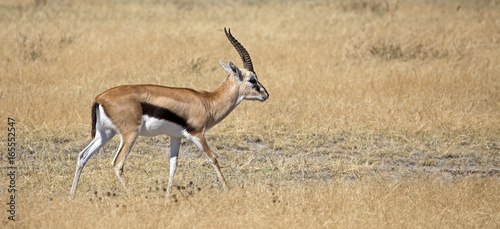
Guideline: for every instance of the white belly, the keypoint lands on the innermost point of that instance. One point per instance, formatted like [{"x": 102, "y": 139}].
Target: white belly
[{"x": 153, "y": 127}]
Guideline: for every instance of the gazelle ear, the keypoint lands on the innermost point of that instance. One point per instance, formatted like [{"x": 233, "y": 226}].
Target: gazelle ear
[
  {"x": 236, "y": 71},
  {"x": 226, "y": 67}
]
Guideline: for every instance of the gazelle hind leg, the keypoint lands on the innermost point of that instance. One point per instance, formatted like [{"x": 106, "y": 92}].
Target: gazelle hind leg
[
  {"x": 100, "y": 139},
  {"x": 175, "y": 144},
  {"x": 126, "y": 143}
]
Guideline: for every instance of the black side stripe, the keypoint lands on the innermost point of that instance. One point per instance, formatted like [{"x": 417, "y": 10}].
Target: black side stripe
[{"x": 164, "y": 114}]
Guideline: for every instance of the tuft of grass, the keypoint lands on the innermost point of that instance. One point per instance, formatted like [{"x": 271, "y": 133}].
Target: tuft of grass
[{"x": 395, "y": 51}]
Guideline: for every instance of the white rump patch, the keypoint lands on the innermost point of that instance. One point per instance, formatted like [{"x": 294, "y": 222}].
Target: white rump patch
[{"x": 103, "y": 122}]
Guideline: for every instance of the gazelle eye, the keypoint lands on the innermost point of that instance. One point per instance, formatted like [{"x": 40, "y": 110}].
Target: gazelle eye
[{"x": 252, "y": 81}]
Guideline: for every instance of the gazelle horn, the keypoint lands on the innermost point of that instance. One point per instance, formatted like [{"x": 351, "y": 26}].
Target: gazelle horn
[{"x": 245, "y": 57}]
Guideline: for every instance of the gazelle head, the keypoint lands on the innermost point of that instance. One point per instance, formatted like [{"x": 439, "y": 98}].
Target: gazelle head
[{"x": 249, "y": 86}]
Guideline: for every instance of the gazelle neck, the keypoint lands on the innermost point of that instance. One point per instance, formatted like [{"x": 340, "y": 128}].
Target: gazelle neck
[{"x": 223, "y": 100}]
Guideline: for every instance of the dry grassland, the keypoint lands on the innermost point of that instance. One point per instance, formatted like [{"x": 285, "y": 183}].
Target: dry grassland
[{"x": 382, "y": 114}]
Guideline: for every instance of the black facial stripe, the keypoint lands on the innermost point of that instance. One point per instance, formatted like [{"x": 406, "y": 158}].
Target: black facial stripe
[
  {"x": 257, "y": 87},
  {"x": 254, "y": 83},
  {"x": 164, "y": 114}
]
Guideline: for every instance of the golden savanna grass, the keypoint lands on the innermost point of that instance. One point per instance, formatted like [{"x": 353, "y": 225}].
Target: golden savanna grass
[{"x": 382, "y": 114}]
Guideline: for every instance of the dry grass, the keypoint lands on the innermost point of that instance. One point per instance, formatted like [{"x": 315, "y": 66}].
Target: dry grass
[{"x": 381, "y": 113}]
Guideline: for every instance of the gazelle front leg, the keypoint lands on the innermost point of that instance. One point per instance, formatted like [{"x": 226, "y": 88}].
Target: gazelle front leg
[
  {"x": 201, "y": 143},
  {"x": 175, "y": 144}
]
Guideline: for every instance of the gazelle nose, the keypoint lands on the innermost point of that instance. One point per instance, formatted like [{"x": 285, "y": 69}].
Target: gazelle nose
[{"x": 266, "y": 95}]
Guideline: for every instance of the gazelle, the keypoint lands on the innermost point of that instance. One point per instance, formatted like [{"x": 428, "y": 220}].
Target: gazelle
[{"x": 151, "y": 110}]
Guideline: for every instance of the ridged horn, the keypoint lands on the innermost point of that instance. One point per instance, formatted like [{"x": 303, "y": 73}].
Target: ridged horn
[{"x": 245, "y": 57}]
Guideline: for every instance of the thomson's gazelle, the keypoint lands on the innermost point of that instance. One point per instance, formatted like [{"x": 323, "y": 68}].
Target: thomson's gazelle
[{"x": 151, "y": 110}]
